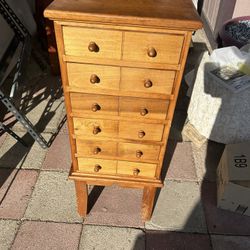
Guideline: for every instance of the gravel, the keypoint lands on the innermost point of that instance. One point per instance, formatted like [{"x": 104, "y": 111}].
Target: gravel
[{"x": 240, "y": 31}]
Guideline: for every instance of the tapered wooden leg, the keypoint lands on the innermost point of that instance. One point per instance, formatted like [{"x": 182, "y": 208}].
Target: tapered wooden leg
[
  {"x": 82, "y": 197},
  {"x": 148, "y": 202}
]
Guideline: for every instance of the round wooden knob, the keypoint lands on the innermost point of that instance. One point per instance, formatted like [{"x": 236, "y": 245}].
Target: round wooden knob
[
  {"x": 93, "y": 47},
  {"x": 139, "y": 153},
  {"x": 141, "y": 134},
  {"x": 152, "y": 52},
  {"x": 94, "y": 79},
  {"x": 95, "y": 107},
  {"x": 97, "y": 150},
  {"x": 136, "y": 171},
  {"x": 97, "y": 168},
  {"x": 143, "y": 111},
  {"x": 96, "y": 130},
  {"x": 148, "y": 83}
]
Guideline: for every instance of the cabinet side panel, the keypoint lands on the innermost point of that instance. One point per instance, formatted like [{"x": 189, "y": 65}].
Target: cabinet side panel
[
  {"x": 172, "y": 103},
  {"x": 64, "y": 76}
]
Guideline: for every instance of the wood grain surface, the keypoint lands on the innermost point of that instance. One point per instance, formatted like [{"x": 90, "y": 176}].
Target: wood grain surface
[
  {"x": 77, "y": 41},
  {"x": 122, "y": 63},
  {"x": 167, "y": 47},
  {"x": 80, "y": 75},
  {"x": 178, "y": 14}
]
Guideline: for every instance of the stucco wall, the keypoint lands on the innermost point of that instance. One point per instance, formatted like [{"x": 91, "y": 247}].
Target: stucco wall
[
  {"x": 216, "y": 12},
  {"x": 242, "y": 8}
]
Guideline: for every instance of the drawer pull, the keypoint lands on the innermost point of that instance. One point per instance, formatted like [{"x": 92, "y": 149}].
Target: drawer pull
[
  {"x": 152, "y": 52},
  {"x": 139, "y": 153},
  {"x": 97, "y": 168},
  {"x": 141, "y": 134},
  {"x": 93, "y": 47},
  {"x": 136, "y": 171},
  {"x": 94, "y": 79},
  {"x": 96, "y": 130},
  {"x": 148, "y": 83},
  {"x": 144, "y": 111},
  {"x": 96, "y": 107},
  {"x": 97, "y": 150}
]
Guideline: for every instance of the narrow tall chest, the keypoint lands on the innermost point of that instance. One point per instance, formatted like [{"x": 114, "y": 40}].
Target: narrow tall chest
[{"x": 121, "y": 66}]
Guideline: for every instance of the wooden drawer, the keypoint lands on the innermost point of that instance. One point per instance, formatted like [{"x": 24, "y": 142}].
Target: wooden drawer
[
  {"x": 93, "y": 77},
  {"x": 143, "y": 108},
  {"x": 97, "y": 166},
  {"x": 136, "y": 169},
  {"x": 92, "y": 43},
  {"x": 94, "y": 104},
  {"x": 95, "y": 128},
  {"x": 147, "y": 80},
  {"x": 140, "y": 131},
  {"x": 96, "y": 148},
  {"x": 138, "y": 151},
  {"x": 148, "y": 47}
]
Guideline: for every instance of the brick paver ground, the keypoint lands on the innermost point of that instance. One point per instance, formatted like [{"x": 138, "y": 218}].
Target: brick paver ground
[{"x": 47, "y": 235}]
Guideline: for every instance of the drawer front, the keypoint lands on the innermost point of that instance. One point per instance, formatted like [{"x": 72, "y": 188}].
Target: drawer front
[
  {"x": 136, "y": 169},
  {"x": 143, "y": 108},
  {"x": 96, "y": 148},
  {"x": 148, "y": 47},
  {"x": 92, "y": 43},
  {"x": 95, "y": 128},
  {"x": 138, "y": 151},
  {"x": 94, "y": 104},
  {"x": 140, "y": 131},
  {"x": 147, "y": 80},
  {"x": 97, "y": 166},
  {"x": 93, "y": 77}
]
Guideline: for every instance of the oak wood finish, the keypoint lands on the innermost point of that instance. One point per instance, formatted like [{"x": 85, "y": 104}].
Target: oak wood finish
[
  {"x": 118, "y": 118},
  {"x": 98, "y": 104},
  {"x": 122, "y": 62},
  {"x": 140, "y": 131},
  {"x": 95, "y": 148},
  {"x": 120, "y": 27},
  {"x": 148, "y": 202},
  {"x": 80, "y": 76},
  {"x": 167, "y": 14},
  {"x": 121, "y": 93},
  {"x": 136, "y": 169},
  {"x": 146, "y": 142},
  {"x": 95, "y": 128},
  {"x": 143, "y": 108},
  {"x": 147, "y": 81},
  {"x": 135, "y": 151},
  {"x": 81, "y": 197},
  {"x": 79, "y": 41},
  {"x": 65, "y": 83},
  {"x": 107, "y": 180},
  {"x": 98, "y": 166},
  {"x": 122, "y": 150},
  {"x": 156, "y": 48}
]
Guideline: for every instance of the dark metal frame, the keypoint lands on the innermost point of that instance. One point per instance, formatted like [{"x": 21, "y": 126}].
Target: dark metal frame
[{"x": 21, "y": 36}]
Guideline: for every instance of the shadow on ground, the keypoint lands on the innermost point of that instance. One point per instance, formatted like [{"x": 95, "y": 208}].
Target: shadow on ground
[{"x": 38, "y": 86}]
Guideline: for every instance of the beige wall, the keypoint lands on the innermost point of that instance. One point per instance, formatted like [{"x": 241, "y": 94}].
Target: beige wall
[
  {"x": 242, "y": 8},
  {"x": 217, "y": 12},
  {"x": 210, "y": 10}
]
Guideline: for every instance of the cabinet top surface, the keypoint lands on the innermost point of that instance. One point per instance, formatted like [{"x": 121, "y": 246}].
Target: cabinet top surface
[{"x": 172, "y": 14}]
